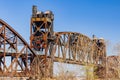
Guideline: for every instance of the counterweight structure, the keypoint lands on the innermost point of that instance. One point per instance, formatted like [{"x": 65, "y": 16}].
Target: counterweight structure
[{"x": 41, "y": 29}]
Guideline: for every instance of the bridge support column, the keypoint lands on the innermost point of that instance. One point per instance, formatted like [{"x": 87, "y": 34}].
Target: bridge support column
[
  {"x": 100, "y": 71},
  {"x": 99, "y": 58},
  {"x": 50, "y": 67}
]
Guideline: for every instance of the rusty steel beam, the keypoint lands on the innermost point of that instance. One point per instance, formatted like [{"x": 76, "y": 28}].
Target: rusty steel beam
[
  {"x": 15, "y": 54},
  {"x": 3, "y": 23}
]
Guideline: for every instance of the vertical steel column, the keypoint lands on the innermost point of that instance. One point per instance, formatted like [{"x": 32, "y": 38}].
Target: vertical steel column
[
  {"x": 4, "y": 48},
  {"x": 100, "y": 58}
]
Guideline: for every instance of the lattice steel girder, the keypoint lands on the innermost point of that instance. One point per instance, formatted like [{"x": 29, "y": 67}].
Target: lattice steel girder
[
  {"x": 77, "y": 47},
  {"x": 15, "y": 54}
]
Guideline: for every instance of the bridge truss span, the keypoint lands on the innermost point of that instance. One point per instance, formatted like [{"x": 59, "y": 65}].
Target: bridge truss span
[
  {"x": 71, "y": 47},
  {"x": 15, "y": 54},
  {"x": 66, "y": 47}
]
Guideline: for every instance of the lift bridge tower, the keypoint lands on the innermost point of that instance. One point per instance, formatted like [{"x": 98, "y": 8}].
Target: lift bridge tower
[{"x": 42, "y": 38}]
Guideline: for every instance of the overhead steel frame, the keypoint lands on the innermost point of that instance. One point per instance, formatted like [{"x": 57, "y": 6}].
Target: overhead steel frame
[
  {"x": 67, "y": 47},
  {"x": 76, "y": 48},
  {"x": 15, "y": 54}
]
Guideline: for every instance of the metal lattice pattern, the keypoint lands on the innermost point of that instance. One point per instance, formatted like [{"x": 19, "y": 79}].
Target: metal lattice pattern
[
  {"x": 18, "y": 59},
  {"x": 76, "y": 48},
  {"x": 15, "y": 54},
  {"x": 73, "y": 47}
]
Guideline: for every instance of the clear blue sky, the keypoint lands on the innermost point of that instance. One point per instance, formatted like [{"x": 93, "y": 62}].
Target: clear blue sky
[{"x": 99, "y": 17}]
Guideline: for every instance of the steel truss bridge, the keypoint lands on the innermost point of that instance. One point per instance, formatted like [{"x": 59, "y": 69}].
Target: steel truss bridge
[{"x": 19, "y": 59}]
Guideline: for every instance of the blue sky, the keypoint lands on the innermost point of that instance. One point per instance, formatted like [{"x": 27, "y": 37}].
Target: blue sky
[{"x": 98, "y": 17}]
